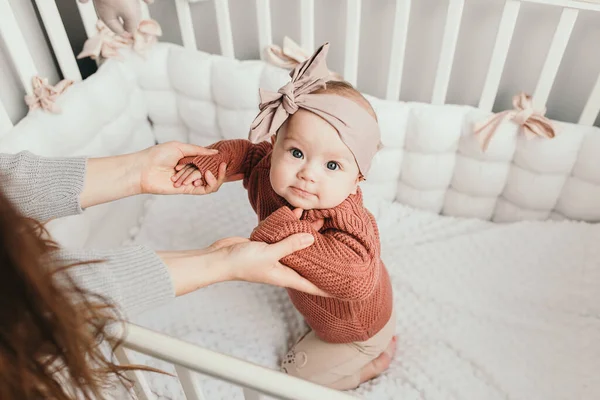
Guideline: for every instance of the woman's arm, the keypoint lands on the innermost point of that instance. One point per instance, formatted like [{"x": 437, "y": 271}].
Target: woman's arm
[
  {"x": 44, "y": 188},
  {"x": 136, "y": 278}
]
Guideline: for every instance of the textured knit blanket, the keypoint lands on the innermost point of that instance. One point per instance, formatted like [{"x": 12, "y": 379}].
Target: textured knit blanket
[{"x": 485, "y": 311}]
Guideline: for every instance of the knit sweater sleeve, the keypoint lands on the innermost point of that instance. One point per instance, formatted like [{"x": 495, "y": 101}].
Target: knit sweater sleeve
[
  {"x": 134, "y": 278},
  {"x": 43, "y": 187},
  {"x": 240, "y": 155},
  {"x": 341, "y": 260}
]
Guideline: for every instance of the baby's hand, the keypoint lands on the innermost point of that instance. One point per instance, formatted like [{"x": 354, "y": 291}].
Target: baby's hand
[
  {"x": 316, "y": 225},
  {"x": 188, "y": 174}
]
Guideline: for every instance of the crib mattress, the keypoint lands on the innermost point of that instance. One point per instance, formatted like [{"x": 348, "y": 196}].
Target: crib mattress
[{"x": 485, "y": 311}]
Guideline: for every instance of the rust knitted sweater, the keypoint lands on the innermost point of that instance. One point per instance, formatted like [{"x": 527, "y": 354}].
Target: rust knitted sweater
[{"x": 344, "y": 260}]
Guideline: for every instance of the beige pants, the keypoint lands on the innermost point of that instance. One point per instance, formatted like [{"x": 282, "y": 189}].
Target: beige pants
[{"x": 336, "y": 365}]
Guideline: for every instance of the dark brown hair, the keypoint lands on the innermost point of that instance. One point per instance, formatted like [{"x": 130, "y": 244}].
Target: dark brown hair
[{"x": 51, "y": 330}]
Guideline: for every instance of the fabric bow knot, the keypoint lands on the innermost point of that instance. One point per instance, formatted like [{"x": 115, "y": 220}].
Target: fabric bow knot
[
  {"x": 290, "y": 56},
  {"x": 275, "y": 107},
  {"x": 288, "y": 101},
  {"x": 533, "y": 122},
  {"x": 146, "y": 36},
  {"x": 44, "y": 95},
  {"x": 105, "y": 44}
]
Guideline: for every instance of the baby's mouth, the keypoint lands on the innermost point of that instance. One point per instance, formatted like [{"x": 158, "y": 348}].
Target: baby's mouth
[{"x": 301, "y": 192}]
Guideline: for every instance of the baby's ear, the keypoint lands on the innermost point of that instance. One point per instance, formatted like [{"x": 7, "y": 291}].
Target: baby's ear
[
  {"x": 359, "y": 178},
  {"x": 273, "y": 139}
]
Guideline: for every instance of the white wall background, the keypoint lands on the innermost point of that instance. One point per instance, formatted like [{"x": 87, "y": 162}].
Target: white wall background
[{"x": 481, "y": 18}]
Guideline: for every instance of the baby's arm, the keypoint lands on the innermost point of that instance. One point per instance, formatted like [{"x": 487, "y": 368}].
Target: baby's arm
[
  {"x": 237, "y": 154},
  {"x": 339, "y": 262}
]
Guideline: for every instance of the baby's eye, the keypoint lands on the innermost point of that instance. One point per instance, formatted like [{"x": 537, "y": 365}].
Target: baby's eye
[
  {"x": 332, "y": 165},
  {"x": 296, "y": 153}
]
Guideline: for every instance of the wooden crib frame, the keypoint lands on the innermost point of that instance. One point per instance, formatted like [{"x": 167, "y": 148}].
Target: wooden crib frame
[{"x": 188, "y": 358}]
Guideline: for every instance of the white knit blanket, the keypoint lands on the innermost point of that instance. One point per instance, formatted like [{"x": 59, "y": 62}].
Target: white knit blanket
[{"x": 485, "y": 311}]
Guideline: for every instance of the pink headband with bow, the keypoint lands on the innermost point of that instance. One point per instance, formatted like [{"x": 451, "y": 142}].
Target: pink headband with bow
[{"x": 357, "y": 128}]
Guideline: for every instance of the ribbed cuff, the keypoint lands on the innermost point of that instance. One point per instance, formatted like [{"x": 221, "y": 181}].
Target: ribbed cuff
[
  {"x": 42, "y": 187},
  {"x": 133, "y": 277}
]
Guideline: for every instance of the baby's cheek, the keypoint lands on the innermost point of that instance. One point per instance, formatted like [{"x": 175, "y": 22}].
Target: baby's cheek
[{"x": 276, "y": 181}]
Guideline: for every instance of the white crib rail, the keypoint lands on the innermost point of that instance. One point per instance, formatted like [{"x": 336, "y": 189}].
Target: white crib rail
[
  {"x": 186, "y": 357},
  {"x": 554, "y": 57},
  {"x": 442, "y": 77},
  {"x": 399, "y": 36},
  {"x": 186, "y": 25},
  {"x": 307, "y": 27},
  {"x": 88, "y": 17},
  {"x": 16, "y": 46},
  {"x": 352, "y": 40},
  {"x": 263, "y": 16},
  {"x": 570, "y": 8},
  {"x": 58, "y": 37},
  {"x": 503, "y": 40}
]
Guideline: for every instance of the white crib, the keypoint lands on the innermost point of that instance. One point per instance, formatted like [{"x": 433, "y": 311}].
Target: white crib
[{"x": 179, "y": 93}]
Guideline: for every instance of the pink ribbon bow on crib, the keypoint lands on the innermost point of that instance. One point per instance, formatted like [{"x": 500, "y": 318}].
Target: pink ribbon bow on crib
[
  {"x": 146, "y": 36},
  {"x": 533, "y": 122},
  {"x": 106, "y": 43},
  {"x": 44, "y": 95},
  {"x": 291, "y": 55}
]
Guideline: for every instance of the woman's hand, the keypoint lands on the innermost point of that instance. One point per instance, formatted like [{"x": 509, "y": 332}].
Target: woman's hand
[
  {"x": 239, "y": 259},
  {"x": 316, "y": 224},
  {"x": 147, "y": 171},
  {"x": 156, "y": 166}
]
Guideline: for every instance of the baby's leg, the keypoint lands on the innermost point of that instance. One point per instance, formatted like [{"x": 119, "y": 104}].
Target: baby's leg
[{"x": 341, "y": 366}]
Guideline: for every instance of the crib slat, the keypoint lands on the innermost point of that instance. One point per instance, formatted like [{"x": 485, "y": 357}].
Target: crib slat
[
  {"x": 88, "y": 17},
  {"x": 263, "y": 17},
  {"x": 224, "y": 27},
  {"x": 307, "y": 27},
  {"x": 250, "y": 394},
  {"x": 189, "y": 384},
  {"x": 145, "y": 10},
  {"x": 398, "y": 49},
  {"x": 442, "y": 77},
  {"x": 5, "y": 122},
  {"x": 352, "y": 40},
  {"x": 186, "y": 26},
  {"x": 555, "y": 55},
  {"x": 142, "y": 389},
  {"x": 227, "y": 368},
  {"x": 499, "y": 54},
  {"x": 16, "y": 46},
  {"x": 592, "y": 106},
  {"x": 59, "y": 39}
]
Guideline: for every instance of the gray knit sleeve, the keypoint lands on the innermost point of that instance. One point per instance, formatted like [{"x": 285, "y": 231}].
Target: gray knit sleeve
[
  {"x": 134, "y": 278},
  {"x": 43, "y": 187}
]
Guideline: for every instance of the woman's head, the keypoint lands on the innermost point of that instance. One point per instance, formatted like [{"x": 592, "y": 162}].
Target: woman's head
[
  {"x": 50, "y": 328},
  {"x": 311, "y": 167}
]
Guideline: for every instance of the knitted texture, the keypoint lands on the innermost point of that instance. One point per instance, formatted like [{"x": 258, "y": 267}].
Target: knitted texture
[
  {"x": 344, "y": 260},
  {"x": 134, "y": 277},
  {"x": 488, "y": 311},
  {"x": 43, "y": 187}
]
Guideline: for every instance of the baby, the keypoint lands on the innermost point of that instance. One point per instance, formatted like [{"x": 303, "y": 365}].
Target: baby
[{"x": 305, "y": 179}]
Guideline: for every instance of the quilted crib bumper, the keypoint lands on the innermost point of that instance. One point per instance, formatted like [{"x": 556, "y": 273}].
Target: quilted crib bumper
[{"x": 431, "y": 160}]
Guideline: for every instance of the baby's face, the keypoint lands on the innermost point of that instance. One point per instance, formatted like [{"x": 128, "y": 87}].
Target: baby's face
[{"x": 310, "y": 166}]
